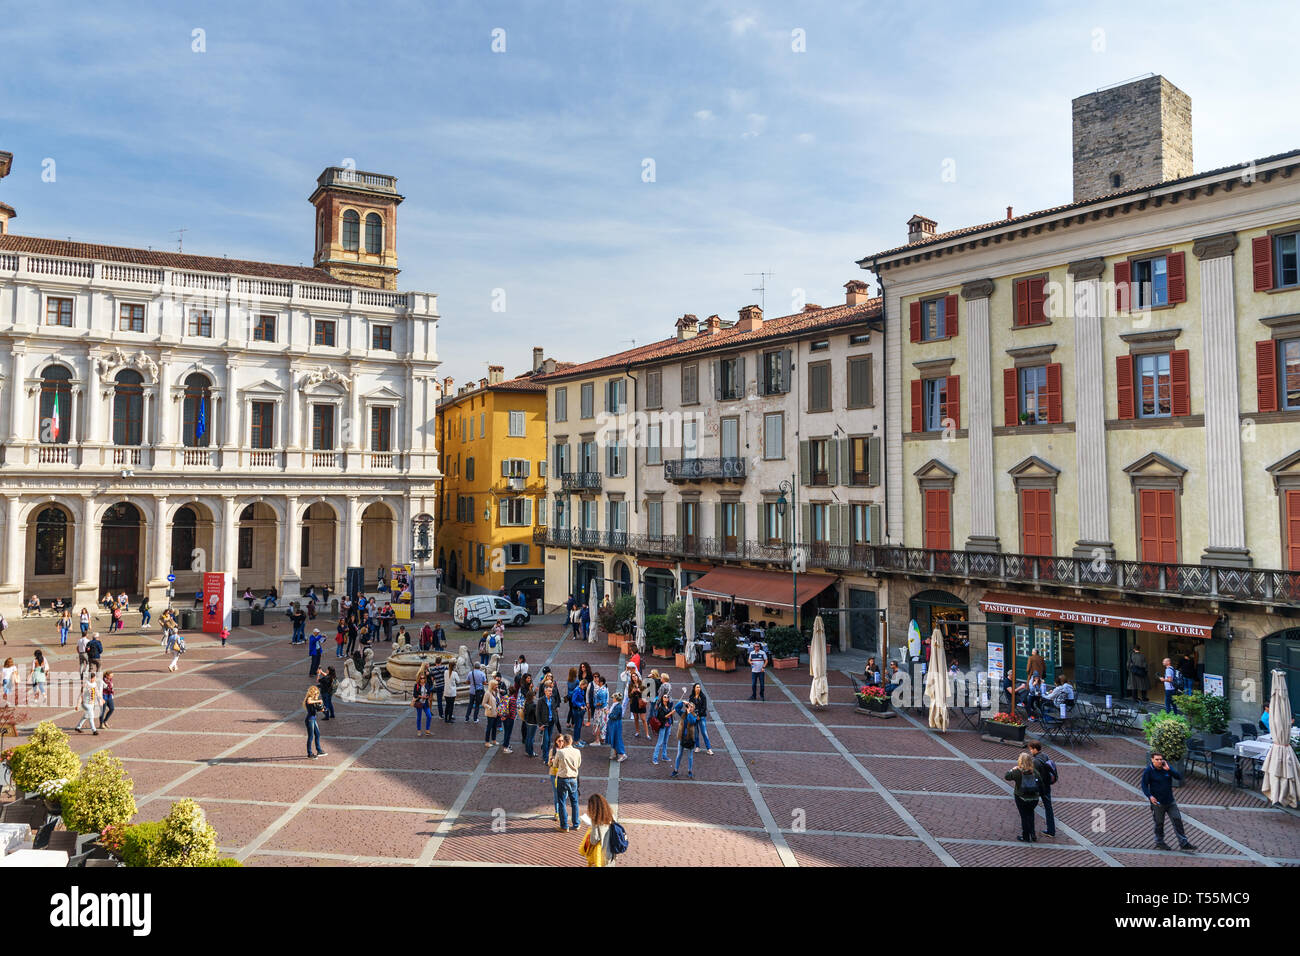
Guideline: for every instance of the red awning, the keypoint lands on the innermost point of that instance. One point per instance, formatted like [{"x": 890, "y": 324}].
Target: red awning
[
  {"x": 649, "y": 563},
  {"x": 1156, "y": 620},
  {"x": 761, "y": 588}
]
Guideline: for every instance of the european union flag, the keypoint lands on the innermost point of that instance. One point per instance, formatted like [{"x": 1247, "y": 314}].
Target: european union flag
[{"x": 201, "y": 425}]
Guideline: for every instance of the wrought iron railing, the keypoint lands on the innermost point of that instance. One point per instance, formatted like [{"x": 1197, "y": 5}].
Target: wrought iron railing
[
  {"x": 704, "y": 469},
  {"x": 580, "y": 481}
]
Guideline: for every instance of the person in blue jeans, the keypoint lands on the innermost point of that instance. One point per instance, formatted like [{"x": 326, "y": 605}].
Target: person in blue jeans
[
  {"x": 477, "y": 682},
  {"x": 420, "y": 699},
  {"x": 663, "y": 712},
  {"x": 686, "y": 740},
  {"x": 702, "y": 717},
  {"x": 757, "y": 677},
  {"x": 565, "y": 763},
  {"x": 548, "y": 717},
  {"x": 614, "y": 731},
  {"x": 314, "y": 650},
  {"x": 325, "y": 681},
  {"x": 578, "y": 711},
  {"x": 1170, "y": 681},
  {"x": 312, "y": 704}
]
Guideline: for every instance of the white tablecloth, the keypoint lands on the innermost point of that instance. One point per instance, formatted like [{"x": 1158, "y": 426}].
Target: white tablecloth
[
  {"x": 12, "y": 836},
  {"x": 1257, "y": 749},
  {"x": 51, "y": 858}
]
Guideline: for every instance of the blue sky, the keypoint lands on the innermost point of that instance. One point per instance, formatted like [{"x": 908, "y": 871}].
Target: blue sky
[{"x": 522, "y": 170}]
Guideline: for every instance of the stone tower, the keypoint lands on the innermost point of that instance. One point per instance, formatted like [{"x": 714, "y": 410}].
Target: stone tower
[
  {"x": 1131, "y": 135},
  {"x": 356, "y": 226},
  {"x": 6, "y": 211}
]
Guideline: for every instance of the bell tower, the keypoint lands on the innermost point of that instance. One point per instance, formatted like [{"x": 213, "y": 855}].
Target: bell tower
[
  {"x": 6, "y": 211},
  {"x": 356, "y": 226}
]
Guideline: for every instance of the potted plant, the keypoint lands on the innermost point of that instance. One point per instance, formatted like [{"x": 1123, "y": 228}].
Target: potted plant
[
  {"x": 725, "y": 648},
  {"x": 187, "y": 839},
  {"x": 1024, "y": 418},
  {"x": 676, "y": 617},
  {"x": 1168, "y": 733},
  {"x": 785, "y": 645},
  {"x": 1208, "y": 714},
  {"x": 660, "y": 636},
  {"x": 45, "y": 756},
  {"x": 101, "y": 797},
  {"x": 1004, "y": 726},
  {"x": 112, "y": 839},
  {"x": 873, "y": 700},
  {"x": 51, "y": 791}
]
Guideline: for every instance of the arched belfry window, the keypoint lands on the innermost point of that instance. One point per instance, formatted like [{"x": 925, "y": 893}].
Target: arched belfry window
[
  {"x": 351, "y": 230},
  {"x": 374, "y": 233}
]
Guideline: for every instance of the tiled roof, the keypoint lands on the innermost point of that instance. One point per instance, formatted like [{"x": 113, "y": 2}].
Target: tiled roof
[
  {"x": 171, "y": 260},
  {"x": 1082, "y": 203},
  {"x": 801, "y": 323}
]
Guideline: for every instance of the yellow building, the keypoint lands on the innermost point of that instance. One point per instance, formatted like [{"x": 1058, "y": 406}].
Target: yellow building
[{"x": 493, "y": 437}]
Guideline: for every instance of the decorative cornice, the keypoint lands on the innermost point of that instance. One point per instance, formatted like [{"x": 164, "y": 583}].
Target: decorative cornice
[
  {"x": 1282, "y": 325},
  {"x": 1086, "y": 269},
  {"x": 1152, "y": 337},
  {"x": 934, "y": 365},
  {"x": 977, "y": 289},
  {"x": 1032, "y": 352},
  {"x": 325, "y": 375},
  {"x": 1216, "y": 246}
]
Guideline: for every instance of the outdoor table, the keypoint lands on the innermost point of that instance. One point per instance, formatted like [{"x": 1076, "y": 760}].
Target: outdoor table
[
  {"x": 13, "y": 836},
  {"x": 1119, "y": 718},
  {"x": 1255, "y": 749},
  {"x": 50, "y": 858}
]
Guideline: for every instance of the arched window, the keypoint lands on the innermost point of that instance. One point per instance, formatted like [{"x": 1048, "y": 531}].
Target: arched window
[
  {"x": 56, "y": 406},
  {"x": 51, "y": 542},
  {"x": 351, "y": 230},
  {"x": 196, "y": 412},
  {"x": 128, "y": 408},
  {"x": 184, "y": 538},
  {"x": 374, "y": 233}
]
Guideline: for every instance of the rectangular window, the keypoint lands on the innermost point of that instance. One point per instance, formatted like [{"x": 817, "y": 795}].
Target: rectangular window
[
  {"x": 654, "y": 389},
  {"x": 1288, "y": 352},
  {"x": 131, "y": 318},
  {"x": 58, "y": 312},
  {"x": 588, "y": 400},
  {"x": 590, "y": 518},
  {"x": 264, "y": 328},
  {"x": 482, "y": 423},
  {"x": 690, "y": 439},
  {"x": 1150, "y": 282},
  {"x": 381, "y": 429},
  {"x": 862, "y": 338},
  {"x": 690, "y": 521},
  {"x": 1155, "y": 386},
  {"x": 263, "y": 434},
  {"x": 819, "y": 387},
  {"x": 616, "y": 396},
  {"x": 1158, "y": 532},
  {"x": 1033, "y": 396},
  {"x": 775, "y": 370},
  {"x": 482, "y": 559},
  {"x": 1031, "y": 296},
  {"x": 860, "y": 524},
  {"x": 730, "y": 530},
  {"x": 860, "y": 384},
  {"x": 859, "y": 460},
  {"x": 200, "y": 323},
  {"x": 654, "y": 452},
  {"x": 820, "y": 532},
  {"x": 322, "y": 427},
  {"x": 654, "y": 518},
  {"x": 616, "y": 456},
  {"x": 774, "y": 436},
  {"x": 128, "y": 415},
  {"x": 469, "y": 468},
  {"x": 561, "y": 512},
  {"x": 304, "y": 547},
  {"x": 820, "y": 346},
  {"x": 731, "y": 383},
  {"x": 729, "y": 438},
  {"x": 562, "y": 404},
  {"x": 516, "y": 512},
  {"x": 1286, "y": 249},
  {"x": 690, "y": 384},
  {"x": 773, "y": 524},
  {"x": 617, "y": 516},
  {"x": 516, "y": 554},
  {"x": 324, "y": 334},
  {"x": 381, "y": 338},
  {"x": 819, "y": 461},
  {"x": 933, "y": 319},
  {"x": 561, "y": 459},
  {"x": 587, "y": 456},
  {"x": 936, "y": 401},
  {"x": 1036, "y": 521},
  {"x": 245, "y": 548},
  {"x": 517, "y": 425}
]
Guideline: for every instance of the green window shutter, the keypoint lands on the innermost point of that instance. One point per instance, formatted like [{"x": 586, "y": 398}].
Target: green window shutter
[
  {"x": 805, "y": 467},
  {"x": 740, "y": 521},
  {"x": 787, "y": 524},
  {"x": 787, "y": 371},
  {"x": 873, "y": 462},
  {"x": 846, "y": 462},
  {"x": 740, "y": 376},
  {"x": 836, "y": 524},
  {"x": 717, "y": 520},
  {"x": 876, "y": 530},
  {"x": 805, "y": 524},
  {"x": 528, "y": 511},
  {"x": 681, "y": 519}
]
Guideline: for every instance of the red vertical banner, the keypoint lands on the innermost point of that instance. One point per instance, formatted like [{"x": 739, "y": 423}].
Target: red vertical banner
[{"x": 216, "y": 602}]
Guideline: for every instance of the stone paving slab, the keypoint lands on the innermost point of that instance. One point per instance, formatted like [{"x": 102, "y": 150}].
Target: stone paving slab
[
  {"x": 361, "y": 787},
  {"x": 239, "y": 781},
  {"x": 380, "y": 833},
  {"x": 849, "y": 812},
  {"x": 823, "y": 850}
]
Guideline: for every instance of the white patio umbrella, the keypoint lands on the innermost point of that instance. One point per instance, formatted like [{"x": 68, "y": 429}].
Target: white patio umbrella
[
  {"x": 936, "y": 683},
  {"x": 592, "y": 608},
  {"x": 1281, "y": 770},
  {"x": 690, "y": 627},
  {"x": 640, "y": 617},
  {"x": 819, "y": 693}
]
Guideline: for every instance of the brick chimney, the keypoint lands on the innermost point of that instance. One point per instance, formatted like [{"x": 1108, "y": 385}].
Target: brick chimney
[
  {"x": 856, "y": 292},
  {"x": 812, "y": 307},
  {"x": 920, "y": 229},
  {"x": 447, "y": 384},
  {"x": 687, "y": 327},
  {"x": 713, "y": 324},
  {"x": 548, "y": 366},
  {"x": 496, "y": 374},
  {"x": 751, "y": 318},
  {"x": 482, "y": 383},
  {"x": 538, "y": 352}
]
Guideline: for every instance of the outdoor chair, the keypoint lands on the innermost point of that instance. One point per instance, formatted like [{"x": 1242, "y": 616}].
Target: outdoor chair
[
  {"x": 20, "y": 811},
  {"x": 43, "y": 835},
  {"x": 64, "y": 840},
  {"x": 1247, "y": 730},
  {"x": 1224, "y": 763},
  {"x": 1197, "y": 755}
]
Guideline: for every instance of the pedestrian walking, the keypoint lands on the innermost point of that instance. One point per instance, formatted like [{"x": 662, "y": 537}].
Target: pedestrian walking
[
  {"x": 614, "y": 731},
  {"x": 477, "y": 682},
  {"x": 65, "y": 625},
  {"x": 1158, "y": 787},
  {"x": 40, "y": 674},
  {"x": 82, "y": 642},
  {"x": 313, "y": 705},
  {"x": 314, "y": 645},
  {"x": 340, "y": 639},
  {"x": 9, "y": 682},
  {"x": 420, "y": 693},
  {"x": 757, "y": 671},
  {"x": 636, "y": 697},
  {"x": 298, "y": 618},
  {"x": 578, "y": 712},
  {"x": 661, "y": 723},
  {"x": 1027, "y": 791},
  {"x": 566, "y": 761},
  {"x": 326, "y": 680},
  {"x": 584, "y": 615},
  {"x": 85, "y": 620},
  {"x": 146, "y": 614},
  {"x": 548, "y": 716},
  {"x": 597, "y": 842},
  {"x": 575, "y": 622},
  {"x": 686, "y": 739},
  {"x": 483, "y": 650},
  {"x": 491, "y": 705},
  {"x": 438, "y": 682},
  {"x": 89, "y": 704},
  {"x": 509, "y": 713},
  {"x": 94, "y": 651},
  {"x": 178, "y": 648},
  {"x": 353, "y": 627},
  {"x": 439, "y": 638},
  {"x": 599, "y": 709},
  {"x": 701, "y": 704},
  {"x": 225, "y": 635},
  {"x": 449, "y": 697},
  {"x": 1045, "y": 768},
  {"x": 1170, "y": 681},
  {"x": 1138, "y": 682},
  {"x": 107, "y": 692}
]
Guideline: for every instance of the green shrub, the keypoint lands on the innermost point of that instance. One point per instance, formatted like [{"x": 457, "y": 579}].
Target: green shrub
[
  {"x": 45, "y": 756},
  {"x": 140, "y": 843},
  {"x": 725, "y": 642},
  {"x": 676, "y": 615},
  {"x": 1168, "y": 734},
  {"x": 1205, "y": 712},
  {"x": 224, "y": 861},
  {"x": 101, "y": 796},
  {"x": 625, "y": 610},
  {"x": 784, "y": 642},
  {"x": 659, "y": 632},
  {"x": 187, "y": 839}
]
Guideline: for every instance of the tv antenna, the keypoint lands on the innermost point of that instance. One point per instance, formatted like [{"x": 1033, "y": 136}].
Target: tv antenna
[
  {"x": 180, "y": 238},
  {"x": 761, "y": 288}
]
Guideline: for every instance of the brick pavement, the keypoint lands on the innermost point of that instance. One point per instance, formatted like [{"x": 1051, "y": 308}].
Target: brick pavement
[{"x": 810, "y": 788}]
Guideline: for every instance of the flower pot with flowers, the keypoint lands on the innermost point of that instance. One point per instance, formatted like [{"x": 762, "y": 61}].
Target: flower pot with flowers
[
  {"x": 873, "y": 699},
  {"x": 51, "y": 791},
  {"x": 1004, "y": 726}
]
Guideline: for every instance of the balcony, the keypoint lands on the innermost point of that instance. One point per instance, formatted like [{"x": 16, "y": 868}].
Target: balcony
[
  {"x": 199, "y": 458},
  {"x": 580, "y": 481},
  {"x": 1114, "y": 579},
  {"x": 382, "y": 460},
  {"x": 127, "y": 455},
  {"x": 263, "y": 459},
  {"x": 343, "y": 176},
  {"x": 325, "y": 459},
  {"x": 705, "y": 469}
]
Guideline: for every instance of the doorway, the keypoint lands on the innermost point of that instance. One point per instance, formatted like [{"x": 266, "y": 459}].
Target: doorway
[{"x": 119, "y": 560}]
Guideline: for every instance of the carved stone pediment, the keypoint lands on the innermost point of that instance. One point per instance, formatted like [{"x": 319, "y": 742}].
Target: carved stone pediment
[
  {"x": 325, "y": 376},
  {"x": 117, "y": 358}
]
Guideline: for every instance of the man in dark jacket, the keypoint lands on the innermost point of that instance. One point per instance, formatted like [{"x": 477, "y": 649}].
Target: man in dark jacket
[
  {"x": 1158, "y": 787},
  {"x": 314, "y": 645},
  {"x": 1045, "y": 768},
  {"x": 548, "y": 717}
]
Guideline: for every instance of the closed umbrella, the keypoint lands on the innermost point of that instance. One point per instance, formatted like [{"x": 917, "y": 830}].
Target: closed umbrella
[
  {"x": 1281, "y": 770},
  {"x": 936, "y": 683},
  {"x": 640, "y": 617},
  {"x": 592, "y": 608},
  {"x": 819, "y": 693},
  {"x": 690, "y": 627}
]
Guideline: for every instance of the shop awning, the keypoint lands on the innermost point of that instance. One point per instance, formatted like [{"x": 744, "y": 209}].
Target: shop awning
[
  {"x": 760, "y": 588},
  {"x": 1156, "y": 620},
  {"x": 649, "y": 563}
]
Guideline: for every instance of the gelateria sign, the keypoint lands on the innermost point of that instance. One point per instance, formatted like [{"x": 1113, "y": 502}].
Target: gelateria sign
[{"x": 1157, "y": 621}]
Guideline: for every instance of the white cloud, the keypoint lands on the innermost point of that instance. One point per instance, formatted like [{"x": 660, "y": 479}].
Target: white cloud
[
  {"x": 757, "y": 122},
  {"x": 805, "y": 138},
  {"x": 704, "y": 114},
  {"x": 742, "y": 24}
]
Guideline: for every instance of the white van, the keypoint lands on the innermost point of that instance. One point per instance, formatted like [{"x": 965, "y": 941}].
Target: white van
[{"x": 476, "y": 610}]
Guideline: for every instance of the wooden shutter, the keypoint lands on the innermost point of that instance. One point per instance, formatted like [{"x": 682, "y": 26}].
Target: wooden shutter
[
  {"x": 952, "y": 408},
  {"x": 1124, "y": 385},
  {"x": 1123, "y": 286},
  {"x": 1261, "y": 253},
  {"x": 1036, "y": 521},
  {"x": 950, "y": 315},
  {"x": 805, "y": 464},
  {"x": 718, "y": 532},
  {"x": 835, "y": 524},
  {"x": 1054, "y": 392},
  {"x": 1022, "y": 305},
  {"x": 1176, "y": 277},
  {"x": 1011, "y": 396},
  {"x": 846, "y": 462},
  {"x": 1179, "y": 375},
  {"x": 717, "y": 380},
  {"x": 877, "y": 532},
  {"x": 916, "y": 322},
  {"x": 805, "y": 524},
  {"x": 833, "y": 462},
  {"x": 873, "y": 461},
  {"x": 938, "y": 535},
  {"x": 1037, "y": 299},
  {"x": 1159, "y": 532},
  {"x": 1293, "y": 529},
  {"x": 528, "y": 514},
  {"x": 918, "y": 409},
  {"x": 740, "y": 521},
  {"x": 787, "y": 371},
  {"x": 681, "y": 519},
  {"x": 1266, "y": 374},
  {"x": 505, "y": 467}
]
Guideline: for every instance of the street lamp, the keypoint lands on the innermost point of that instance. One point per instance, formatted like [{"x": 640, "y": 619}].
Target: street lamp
[{"x": 791, "y": 488}]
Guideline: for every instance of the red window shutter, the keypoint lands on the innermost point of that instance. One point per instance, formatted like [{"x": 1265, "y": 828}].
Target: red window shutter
[
  {"x": 950, "y": 315},
  {"x": 937, "y": 519},
  {"x": 918, "y": 411},
  {"x": 1123, "y": 286},
  {"x": 1011, "y": 396},
  {"x": 1292, "y": 530},
  {"x": 1037, "y": 299},
  {"x": 1022, "y": 302},
  {"x": 1124, "y": 385},
  {"x": 1148, "y": 536},
  {"x": 1054, "y": 393},
  {"x": 1036, "y": 521},
  {"x": 1266, "y": 374},
  {"x": 916, "y": 321},
  {"x": 1182, "y": 390},
  {"x": 952, "y": 408},
  {"x": 1168, "y": 529},
  {"x": 1261, "y": 253},
  {"x": 1176, "y": 277}
]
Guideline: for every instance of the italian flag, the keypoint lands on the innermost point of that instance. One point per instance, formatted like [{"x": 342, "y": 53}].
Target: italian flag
[{"x": 54, "y": 420}]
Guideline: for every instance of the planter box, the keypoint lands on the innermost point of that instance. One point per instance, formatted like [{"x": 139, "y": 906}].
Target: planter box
[
  {"x": 680, "y": 661},
  {"x": 875, "y": 705},
  {"x": 1003, "y": 731},
  {"x": 628, "y": 648},
  {"x": 714, "y": 664},
  {"x": 663, "y": 653},
  {"x": 785, "y": 663},
  {"x": 616, "y": 640}
]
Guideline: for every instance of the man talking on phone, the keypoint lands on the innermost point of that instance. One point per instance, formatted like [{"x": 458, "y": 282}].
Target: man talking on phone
[{"x": 1158, "y": 787}]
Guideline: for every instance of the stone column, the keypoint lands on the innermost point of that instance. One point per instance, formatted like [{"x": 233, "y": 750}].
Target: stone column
[
  {"x": 229, "y": 536},
  {"x": 979, "y": 402},
  {"x": 231, "y": 437},
  {"x": 17, "y": 395},
  {"x": 166, "y": 438},
  {"x": 291, "y": 400},
  {"x": 1226, "y": 514},
  {"x": 354, "y": 412},
  {"x": 291, "y": 576},
  {"x": 86, "y": 591},
  {"x": 15, "y": 547},
  {"x": 157, "y": 587},
  {"x": 94, "y": 402},
  {"x": 352, "y": 530},
  {"x": 1090, "y": 415}
]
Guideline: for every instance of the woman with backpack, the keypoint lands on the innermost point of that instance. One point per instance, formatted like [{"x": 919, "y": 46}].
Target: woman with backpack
[
  {"x": 1027, "y": 791},
  {"x": 686, "y": 740},
  {"x": 661, "y": 723},
  {"x": 702, "y": 715},
  {"x": 597, "y": 842}
]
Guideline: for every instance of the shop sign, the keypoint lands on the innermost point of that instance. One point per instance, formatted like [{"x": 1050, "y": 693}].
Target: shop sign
[
  {"x": 1099, "y": 616},
  {"x": 1213, "y": 684}
]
